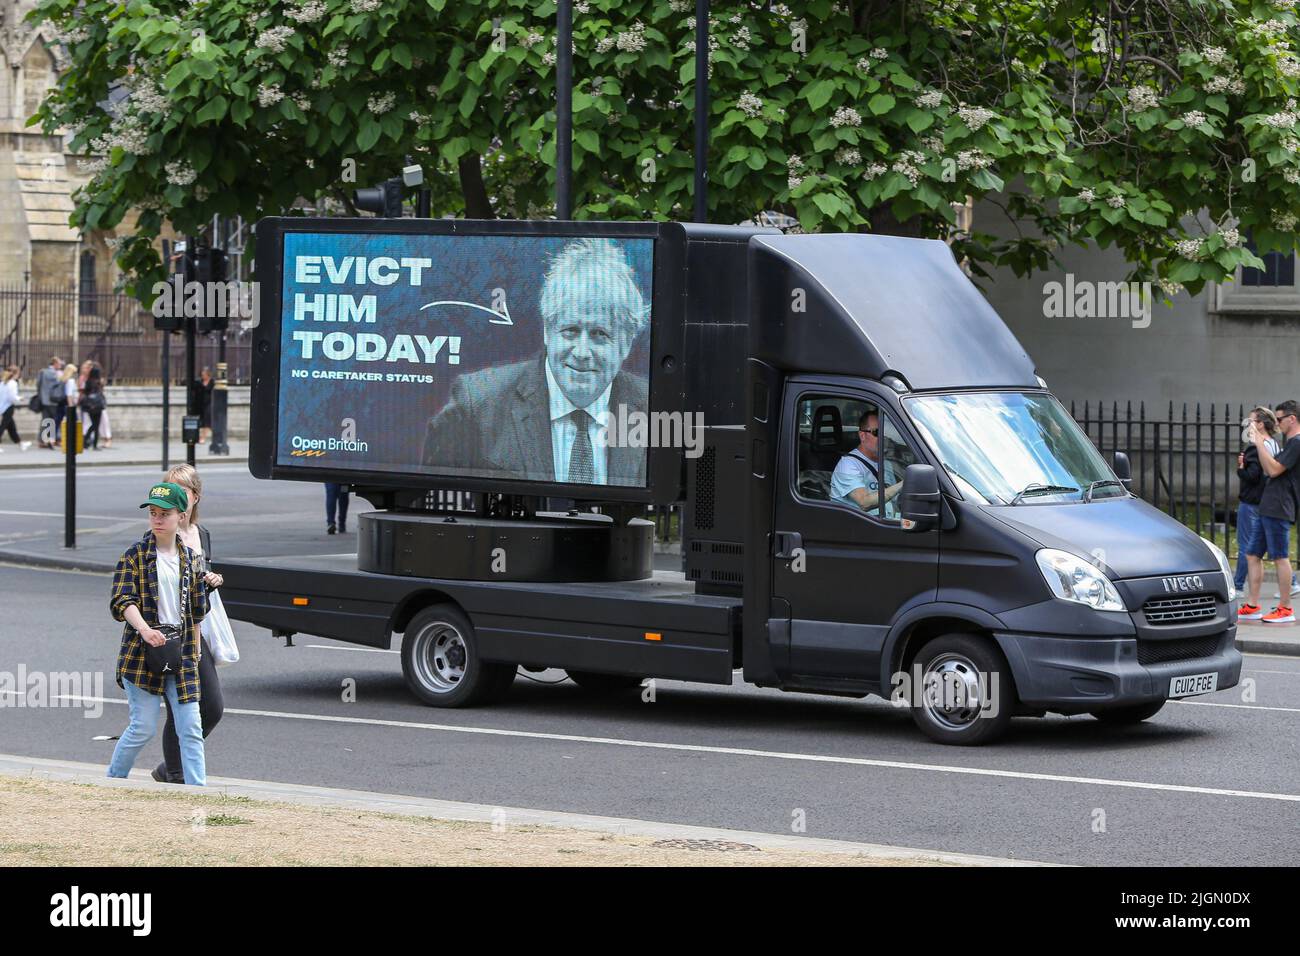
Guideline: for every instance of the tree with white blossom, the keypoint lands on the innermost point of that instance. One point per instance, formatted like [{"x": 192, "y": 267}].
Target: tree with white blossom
[{"x": 1166, "y": 130}]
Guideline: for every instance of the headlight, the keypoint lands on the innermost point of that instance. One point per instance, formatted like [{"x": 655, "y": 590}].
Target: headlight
[
  {"x": 1071, "y": 578},
  {"x": 1223, "y": 566}
]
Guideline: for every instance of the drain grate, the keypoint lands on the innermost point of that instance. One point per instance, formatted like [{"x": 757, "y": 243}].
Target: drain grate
[{"x": 724, "y": 846}]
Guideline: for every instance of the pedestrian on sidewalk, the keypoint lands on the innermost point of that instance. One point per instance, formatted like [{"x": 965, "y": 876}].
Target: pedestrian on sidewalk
[
  {"x": 8, "y": 405},
  {"x": 336, "y": 502},
  {"x": 92, "y": 406},
  {"x": 157, "y": 583},
  {"x": 205, "y": 385},
  {"x": 211, "y": 702},
  {"x": 67, "y": 408},
  {"x": 1277, "y": 514},
  {"x": 1251, "y": 481},
  {"x": 50, "y": 391}
]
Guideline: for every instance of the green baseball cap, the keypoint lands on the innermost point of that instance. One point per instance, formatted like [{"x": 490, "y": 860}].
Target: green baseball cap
[{"x": 168, "y": 495}]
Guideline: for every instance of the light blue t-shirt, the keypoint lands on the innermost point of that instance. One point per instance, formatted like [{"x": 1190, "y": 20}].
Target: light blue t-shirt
[{"x": 855, "y": 471}]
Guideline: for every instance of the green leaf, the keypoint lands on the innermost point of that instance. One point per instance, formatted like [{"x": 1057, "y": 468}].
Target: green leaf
[
  {"x": 204, "y": 69},
  {"x": 588, "y": 140},
  {"x": 880, "y": 104},
  {"x": 919, "y": 120},
  {"x": 177, "y": 75},
  {"x": 368, "y": 133},
  {"x": 402, "y": 56},
  {"x": 214, "y": 109},
  {"x": 819, "y": 93},
  {"x": 381, "y": 59},
  {"x": 757, "y": 160}
]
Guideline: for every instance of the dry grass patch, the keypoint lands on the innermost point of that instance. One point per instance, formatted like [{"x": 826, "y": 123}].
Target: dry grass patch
[{"x": 57, "y": 823}]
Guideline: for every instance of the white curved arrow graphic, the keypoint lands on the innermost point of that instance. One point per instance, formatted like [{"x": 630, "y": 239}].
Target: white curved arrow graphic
[{"x": 499, "y": 318}]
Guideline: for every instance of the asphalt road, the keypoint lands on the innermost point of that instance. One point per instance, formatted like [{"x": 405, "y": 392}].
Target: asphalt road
[{"x": 1213, "y": 781}]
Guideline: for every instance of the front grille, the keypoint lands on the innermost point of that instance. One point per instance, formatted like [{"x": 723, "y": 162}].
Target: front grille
[
  {"x": 1179, "y": 610},
  {"x": 1182, "y": 649}
]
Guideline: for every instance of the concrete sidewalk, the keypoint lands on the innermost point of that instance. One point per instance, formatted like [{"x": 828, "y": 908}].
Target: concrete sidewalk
[
  {"x": 122, "y": 453},
  {"x": 86, "y": 773}
]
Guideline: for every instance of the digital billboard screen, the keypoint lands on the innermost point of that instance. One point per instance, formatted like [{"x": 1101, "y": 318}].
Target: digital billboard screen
[{"x": 488, "y": 356}]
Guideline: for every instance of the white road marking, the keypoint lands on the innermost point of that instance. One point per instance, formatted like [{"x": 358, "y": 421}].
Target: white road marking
[
  {"x": 60, "y": 514},
  {"x": 367, "y": 650},
  {"x": 745, "y": 752},
  {"x": 1208, "y": 703}
]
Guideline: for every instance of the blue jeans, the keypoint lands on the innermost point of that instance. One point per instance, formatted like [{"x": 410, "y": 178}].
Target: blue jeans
[
  {"x": 145, "y": 711},
  {"x": 336, "y": 500},
  {"x": 1247, "y": 525}
]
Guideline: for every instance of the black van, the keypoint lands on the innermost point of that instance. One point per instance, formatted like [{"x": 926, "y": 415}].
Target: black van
[{"x": 889, "y": 501}]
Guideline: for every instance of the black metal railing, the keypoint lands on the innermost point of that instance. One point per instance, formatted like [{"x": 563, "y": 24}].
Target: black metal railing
[
  {"x": 1184, "y": 461},
  {"x": 111, "y": 328}
]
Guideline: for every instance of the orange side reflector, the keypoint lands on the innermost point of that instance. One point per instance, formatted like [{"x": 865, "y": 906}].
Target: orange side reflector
[
  {"x": 299, "y": 602},
  {"x": 652, "y": 636}
]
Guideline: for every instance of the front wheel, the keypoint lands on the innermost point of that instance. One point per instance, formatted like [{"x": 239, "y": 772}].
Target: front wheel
[
  {"x": 1134, "y": 714},
  {"x": 966, "y": 695},
  {"x": 441, "y": 664}
]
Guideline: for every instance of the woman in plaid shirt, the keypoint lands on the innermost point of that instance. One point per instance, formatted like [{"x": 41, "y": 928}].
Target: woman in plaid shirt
[{"x": 146, "y": 593}]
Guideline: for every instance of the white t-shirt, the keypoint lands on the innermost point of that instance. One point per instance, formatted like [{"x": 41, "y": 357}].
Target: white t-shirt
[
  {"x": 8, "y": 395},
  {"x": 169, "y": 588}
]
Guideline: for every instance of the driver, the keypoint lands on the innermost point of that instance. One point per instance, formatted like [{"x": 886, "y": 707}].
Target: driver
[{"x": 857, "y": 476}]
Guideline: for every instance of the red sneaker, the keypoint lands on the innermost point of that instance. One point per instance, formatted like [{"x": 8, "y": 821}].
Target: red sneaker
[
  {"x": 1280, "y": 615},
  {"x": 1250, "y": 612}
]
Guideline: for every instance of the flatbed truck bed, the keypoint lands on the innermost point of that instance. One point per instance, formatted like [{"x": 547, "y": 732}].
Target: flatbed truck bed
[{"x": 656, "y": 627}]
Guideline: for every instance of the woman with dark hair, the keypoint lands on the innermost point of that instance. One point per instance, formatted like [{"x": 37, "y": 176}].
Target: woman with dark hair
[
  {"x": 92, "y": 405},
  {"x": 1252, "y": 479}
]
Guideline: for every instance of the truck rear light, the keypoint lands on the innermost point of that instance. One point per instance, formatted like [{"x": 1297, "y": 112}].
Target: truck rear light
[
  {"x": 653, "y": 636},
  {"x": 299, "y": 602}
]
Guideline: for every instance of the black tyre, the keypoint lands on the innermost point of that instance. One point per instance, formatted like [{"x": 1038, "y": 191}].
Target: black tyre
[
  {"x": 441, "y": 664},
  {"x": 966, "y": 695},
  {"x": 604, "y": 683},
  {"x": 1129, "y": 715}
]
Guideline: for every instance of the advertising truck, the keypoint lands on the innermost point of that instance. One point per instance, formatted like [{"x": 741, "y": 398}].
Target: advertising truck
[{"x": 878, "y": 494}]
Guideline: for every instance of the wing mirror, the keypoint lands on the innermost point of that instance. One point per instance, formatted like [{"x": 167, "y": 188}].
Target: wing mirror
[{"x": 920, "y": 501}]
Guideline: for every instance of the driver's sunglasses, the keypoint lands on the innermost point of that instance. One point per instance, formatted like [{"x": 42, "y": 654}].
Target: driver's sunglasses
[{"x": 874, "y": 432}]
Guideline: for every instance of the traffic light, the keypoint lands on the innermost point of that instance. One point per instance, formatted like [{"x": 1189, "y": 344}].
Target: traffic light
[
  {"x": 383, "y": 200},
  {"x": 210, "y": 268}
]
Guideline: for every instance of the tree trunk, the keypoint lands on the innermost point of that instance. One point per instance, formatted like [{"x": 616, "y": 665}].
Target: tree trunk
[{"x": 477, "y": 205}]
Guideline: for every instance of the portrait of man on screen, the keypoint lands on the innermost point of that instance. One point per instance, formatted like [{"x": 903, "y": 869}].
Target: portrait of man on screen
[{"x": 541, "y": 419}]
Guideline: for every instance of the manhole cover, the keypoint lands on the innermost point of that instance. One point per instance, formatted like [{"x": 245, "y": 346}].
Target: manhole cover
[{"x": 715, "y": 845}]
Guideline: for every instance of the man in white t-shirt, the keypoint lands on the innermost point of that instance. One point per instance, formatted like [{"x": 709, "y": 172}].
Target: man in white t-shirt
[{"x": 858, "y": 476}]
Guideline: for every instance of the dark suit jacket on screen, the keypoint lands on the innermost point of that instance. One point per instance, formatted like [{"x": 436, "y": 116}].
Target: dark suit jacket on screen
[{"x": 497, "y": 425}]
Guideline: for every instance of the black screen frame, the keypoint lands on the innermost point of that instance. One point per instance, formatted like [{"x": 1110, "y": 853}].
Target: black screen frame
[{"x": 668, "y": 299}]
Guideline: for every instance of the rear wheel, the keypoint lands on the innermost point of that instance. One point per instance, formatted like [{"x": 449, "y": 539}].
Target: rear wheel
[
  {"x": 604, "y": 683},
  {"x": 441, "y": 664},
  {"x": 1129, "y": 715},
  {"x": 966, "y": 695}
]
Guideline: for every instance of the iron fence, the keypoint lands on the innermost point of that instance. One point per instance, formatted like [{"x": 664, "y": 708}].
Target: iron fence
[
  {"x": 111, "y": 328},
  {"x": 1184, "y": 461}
]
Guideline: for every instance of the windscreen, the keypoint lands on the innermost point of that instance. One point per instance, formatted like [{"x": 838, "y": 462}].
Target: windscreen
[
  {"x": 1010, "y": 447},
  {"x": 492, "y": 356}
]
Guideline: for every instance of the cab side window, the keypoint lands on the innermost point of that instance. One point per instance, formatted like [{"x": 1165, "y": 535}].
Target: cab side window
[{"x": 851, "y": 454}]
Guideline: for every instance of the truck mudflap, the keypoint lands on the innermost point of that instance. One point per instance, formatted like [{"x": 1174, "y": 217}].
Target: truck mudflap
[{"x": 1075, "y": 676}]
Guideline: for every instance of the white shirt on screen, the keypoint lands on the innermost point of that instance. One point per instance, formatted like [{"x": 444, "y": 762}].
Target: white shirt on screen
[{"x": 563, "y": 430}]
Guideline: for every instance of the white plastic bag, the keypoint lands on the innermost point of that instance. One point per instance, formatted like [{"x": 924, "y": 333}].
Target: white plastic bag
[{"x": 216, "y": 628}]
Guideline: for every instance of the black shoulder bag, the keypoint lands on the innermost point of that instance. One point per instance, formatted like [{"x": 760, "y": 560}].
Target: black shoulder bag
[{"x": 167, "y": 658}]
